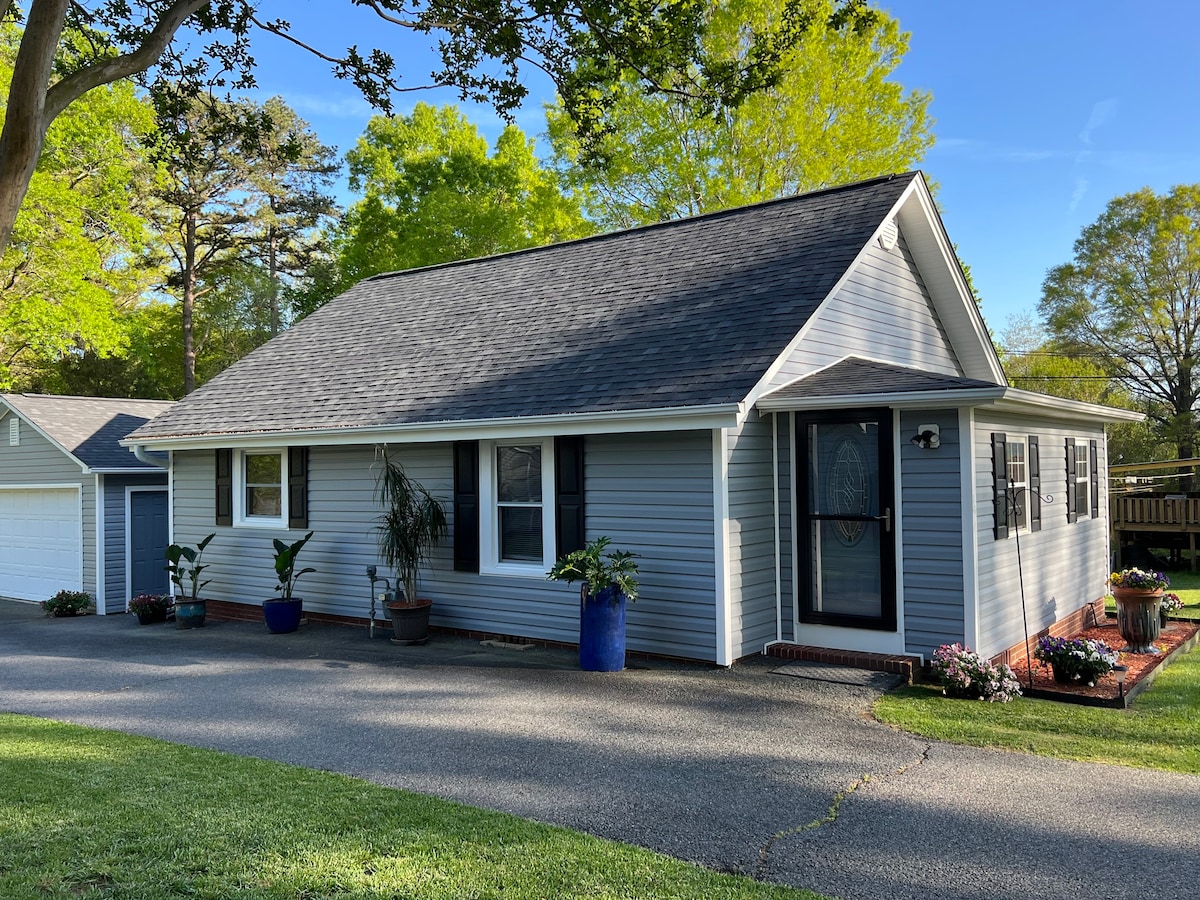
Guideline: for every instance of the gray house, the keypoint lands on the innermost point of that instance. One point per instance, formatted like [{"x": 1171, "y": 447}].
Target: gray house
[
  {"x": 78, "y": 510},
  {"x": 791, "y": 411}
]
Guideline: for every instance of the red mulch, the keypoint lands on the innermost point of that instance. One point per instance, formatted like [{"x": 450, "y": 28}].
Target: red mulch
[{"x": 1174, "y": 634}]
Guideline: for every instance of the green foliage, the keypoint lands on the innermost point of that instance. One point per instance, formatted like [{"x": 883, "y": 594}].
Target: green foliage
[
  {"x": 412, "y": 523},
  {"x": 77, "y": 259},
  {"x": 597, "y": 570},
  {"x": 183, "y": 563},
  {"x": 67, "y": 603},
  {"x": 433, "y": 194},
  {"x": 94, "y": 814},
  {"x": 1161, "y": 731},
  {"x": 832, "y": 116},
  {"x": 285, "y": 564},
  {"x": 1131, "y": 299},
  {"x": 146, "y": 604}
]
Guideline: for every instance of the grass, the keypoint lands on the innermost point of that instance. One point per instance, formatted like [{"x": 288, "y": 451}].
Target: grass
[
  {"x": 95, "y": 814},
  {"x": 1162, "y": 730}
]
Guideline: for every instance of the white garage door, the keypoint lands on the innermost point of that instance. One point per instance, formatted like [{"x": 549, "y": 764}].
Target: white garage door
[{"x": 40, "y": 552}]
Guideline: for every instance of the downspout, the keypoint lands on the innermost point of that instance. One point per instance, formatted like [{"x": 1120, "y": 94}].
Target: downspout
[
  {"x": 139, "y": 451},
  {"x": 775, "y": 500}
]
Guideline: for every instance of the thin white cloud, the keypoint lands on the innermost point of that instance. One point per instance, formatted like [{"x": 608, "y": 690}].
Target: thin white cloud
[
  {"x": 984, "y": 152},
  {"x": 334, "y": 107},
  {"x": 1077, "y": 195},
  {"x": 1103, "y": 111}
]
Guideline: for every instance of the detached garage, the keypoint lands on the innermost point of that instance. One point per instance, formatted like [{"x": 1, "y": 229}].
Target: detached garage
[{"x": 77, "y": 510}]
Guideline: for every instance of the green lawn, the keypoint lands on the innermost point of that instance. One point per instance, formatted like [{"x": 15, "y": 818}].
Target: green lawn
[
  {"x": 91, "y": 814},
  {"x": 1187, "y": 586},
  {"x": 1161, "y": 731}
]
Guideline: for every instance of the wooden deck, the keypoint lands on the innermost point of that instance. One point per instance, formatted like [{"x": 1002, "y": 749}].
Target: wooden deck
[{"x": 1175, "y": 517}]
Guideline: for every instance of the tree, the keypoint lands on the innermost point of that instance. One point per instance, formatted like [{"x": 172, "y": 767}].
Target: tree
[
  {"x": 76, "y": 258},
  {"x": 1131, "y": 299},
  {"x": 289, "y": 180},
  {"x": 484, "y": 45},
  {"x": 832, "y": 117},
  {"x": 433, "y": 194}
]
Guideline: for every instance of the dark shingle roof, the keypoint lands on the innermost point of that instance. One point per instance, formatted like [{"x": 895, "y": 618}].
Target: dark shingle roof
[
  {"x": 683, "y": 314},
  {"x": 89, "y": 428},
  {"x": 857, "y": 377}
]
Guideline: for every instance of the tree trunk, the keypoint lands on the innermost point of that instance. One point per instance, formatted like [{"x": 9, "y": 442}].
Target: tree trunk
[
  {"x": 25, "y": 121},
  {"x": 188, "y": 302},
  {"x": 274, "y": 279}
]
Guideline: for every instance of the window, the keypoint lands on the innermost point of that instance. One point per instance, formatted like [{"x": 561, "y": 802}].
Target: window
[
  {"x": 1018, "y": 482},
  {"x": 517, "y": 526},
  {"x": 260, "y": 479},
  {"x": 1082, "y": 485}
]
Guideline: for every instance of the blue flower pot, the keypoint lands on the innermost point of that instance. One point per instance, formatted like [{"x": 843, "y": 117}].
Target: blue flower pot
[
  {"x": 189, "y": 613},
  {"x": 283, "y": 616},
  {"x": 602, "y": 631}
]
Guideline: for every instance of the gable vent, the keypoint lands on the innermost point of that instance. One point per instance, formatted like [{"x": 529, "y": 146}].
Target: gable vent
[
  {"x": 14, "y": 432},
  {"x": 889, "y": 235}
]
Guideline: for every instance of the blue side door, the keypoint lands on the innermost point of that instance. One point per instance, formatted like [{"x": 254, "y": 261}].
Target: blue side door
[{"x": 148, "y": 542}]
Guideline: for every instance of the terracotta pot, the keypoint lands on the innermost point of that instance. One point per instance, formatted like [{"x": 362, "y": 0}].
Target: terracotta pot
[{"x": 1138, "y": 618}]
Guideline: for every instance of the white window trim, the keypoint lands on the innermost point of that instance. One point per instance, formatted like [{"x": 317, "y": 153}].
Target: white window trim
[
  {"x": 489, "y": 521},
  {"x": 1082, "y": 447},
  {"x": 240, "y": 517},
  {"x": 1019, "y": 490}
]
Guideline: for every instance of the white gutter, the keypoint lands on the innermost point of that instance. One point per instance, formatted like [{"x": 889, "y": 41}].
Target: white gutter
[
  {"x": 724, "y": 415},
  {"x": 775, "y": 499},
  {"x": 139, "y": 451}
]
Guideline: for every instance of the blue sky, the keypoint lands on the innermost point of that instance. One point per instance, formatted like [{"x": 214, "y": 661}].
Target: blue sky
[{"x": 1045, "y": 110}]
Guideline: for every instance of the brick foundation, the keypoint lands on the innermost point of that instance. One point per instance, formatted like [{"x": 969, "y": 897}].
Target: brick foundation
[
  {"x": 1084, "y": 617},
  {"x": 872, "y": 662}
]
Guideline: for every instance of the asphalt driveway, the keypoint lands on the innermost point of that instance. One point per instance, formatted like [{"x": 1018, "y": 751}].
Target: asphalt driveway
[{"x": 728, "y": 768}]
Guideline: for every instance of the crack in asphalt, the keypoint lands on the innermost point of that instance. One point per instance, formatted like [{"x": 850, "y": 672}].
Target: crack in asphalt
[{"x": 831, "y": 814}]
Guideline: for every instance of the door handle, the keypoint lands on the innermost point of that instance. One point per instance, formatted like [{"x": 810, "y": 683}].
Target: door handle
[{"x": 886, "y": 519}]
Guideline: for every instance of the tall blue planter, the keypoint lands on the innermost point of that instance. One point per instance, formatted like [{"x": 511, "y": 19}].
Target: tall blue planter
[
  {"x": 283, "y": 616},
  {"x": 602, "y": 631}
]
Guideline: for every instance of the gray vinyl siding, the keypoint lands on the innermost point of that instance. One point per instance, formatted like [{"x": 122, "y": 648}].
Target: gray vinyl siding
[
  {"x": 931, "y": 552},
  {"x": 650, "y": 493},
  {"x": 115, "y": 551},
  {"x": 1064, "y": 564},
  {"x": 37, "y": 461},
  {"x": 751, "y": 537},
  {"x": 884, "y": 312}
]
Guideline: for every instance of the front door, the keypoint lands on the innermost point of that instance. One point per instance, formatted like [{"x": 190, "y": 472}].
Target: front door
[
  {"x": 844, "y": 495},
  {"x": 148, "y": 542}
]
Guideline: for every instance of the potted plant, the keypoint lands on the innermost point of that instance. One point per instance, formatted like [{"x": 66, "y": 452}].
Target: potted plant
[
  {"x": 412, "y": 523},
  {"x": 282, "y": 614},
  {"x": 1170, "y": 603},
  {"x": 67, "y": 603},
  {"x": 1138, "y": 593},
  {"x": 150, "y": 608},
  {"x": 607, "y": 583},
  {"x": 1077, "y": 659},
  {"x": 183, "y": 562}
]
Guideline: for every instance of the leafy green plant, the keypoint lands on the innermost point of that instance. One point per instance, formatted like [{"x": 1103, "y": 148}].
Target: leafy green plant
[
  {"x": 285, "y": 564},
  {"x": 183, "y": 562},
  {"x": 67, "y": 603},
  {"x": 412, "y": 523},
  {"x": 598, "y": 570},
  {"x": 147, "y": 604}
]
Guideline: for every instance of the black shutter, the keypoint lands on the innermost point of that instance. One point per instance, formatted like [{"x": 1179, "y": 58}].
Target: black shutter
[
  {"x": 999, "y": 485},
  {"x": 1093, "y": 459},
  {"x": 1072, "y": 512},
  {"x": 224, "y": 487},
  {"x": 466, "y": 506},
  {"x": 1034, "y": 499},
  {"x": 297, "y": 487},
  {"x": 568, "y": 495}
]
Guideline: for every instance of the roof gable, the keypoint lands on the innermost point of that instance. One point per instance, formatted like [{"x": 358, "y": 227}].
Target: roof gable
[{"x": 88, "y": 429}]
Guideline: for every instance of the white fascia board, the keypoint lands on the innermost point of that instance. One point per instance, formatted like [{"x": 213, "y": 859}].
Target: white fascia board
[
  {"x": 1019, "y": 401},
  {"x": 693, "y": 418},
  {"x": 898, "y": 400},
  {"x": 764, "y": 383},
  {"x": 114, "y": 470},
  {"x": 942, "y": 273}
]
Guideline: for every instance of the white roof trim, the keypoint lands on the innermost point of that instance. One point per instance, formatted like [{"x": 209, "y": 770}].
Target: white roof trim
[{"x": 685, "y": 418}]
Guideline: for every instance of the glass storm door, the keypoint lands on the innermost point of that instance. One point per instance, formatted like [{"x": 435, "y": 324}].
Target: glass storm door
[{"x": 847, "y": 552}]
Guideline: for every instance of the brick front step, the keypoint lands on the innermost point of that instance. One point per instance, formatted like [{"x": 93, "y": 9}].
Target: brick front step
[{"x": 873, "y": 662}]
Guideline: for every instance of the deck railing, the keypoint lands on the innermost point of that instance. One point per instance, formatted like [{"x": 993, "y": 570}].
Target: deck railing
[{"x": 1134, "y": 513}]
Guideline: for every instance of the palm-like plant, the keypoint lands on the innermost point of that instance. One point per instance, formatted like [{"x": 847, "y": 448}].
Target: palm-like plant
[
  {"x": 413, "y": 521},
  {"x": 285, "y": 565}
]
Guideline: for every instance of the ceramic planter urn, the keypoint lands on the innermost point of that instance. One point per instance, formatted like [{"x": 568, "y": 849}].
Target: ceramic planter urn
[{"x": 1138, "y": 618}]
